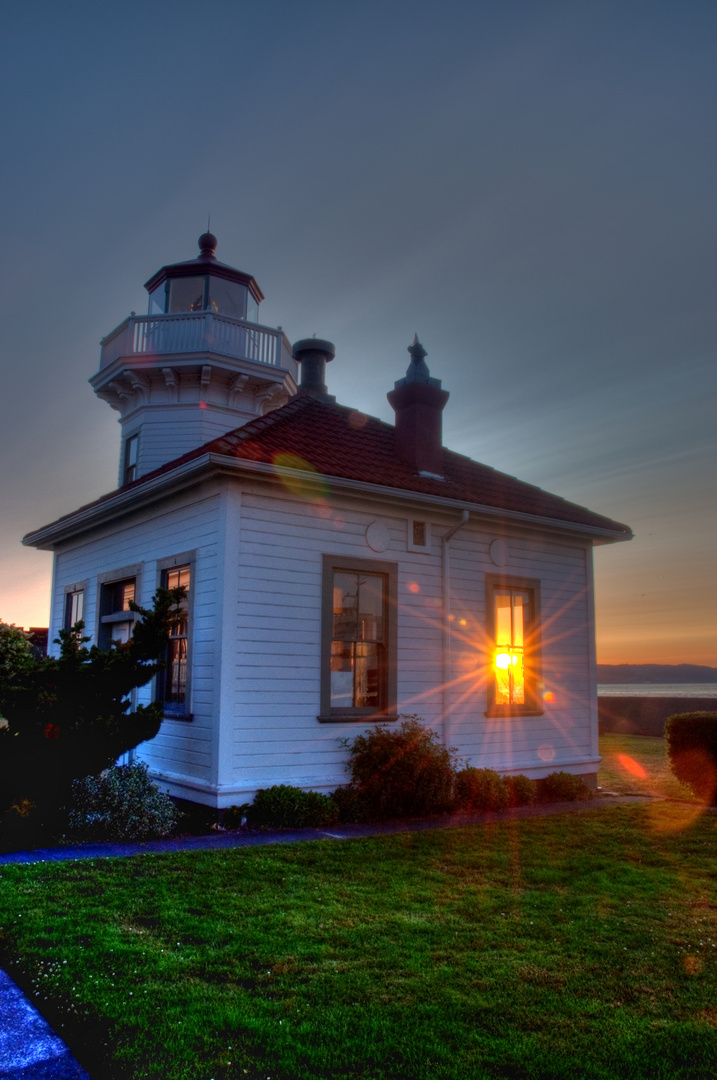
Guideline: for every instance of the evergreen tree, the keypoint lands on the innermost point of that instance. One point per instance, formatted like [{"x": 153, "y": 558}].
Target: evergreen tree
[{"x": 70, "y": 716}]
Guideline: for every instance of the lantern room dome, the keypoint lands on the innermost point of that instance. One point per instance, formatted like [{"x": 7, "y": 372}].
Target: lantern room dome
[{"x": 204, "y": 284}]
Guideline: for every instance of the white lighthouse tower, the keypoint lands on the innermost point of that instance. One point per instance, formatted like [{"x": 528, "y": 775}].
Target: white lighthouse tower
[{"x": 198, "y": 365}]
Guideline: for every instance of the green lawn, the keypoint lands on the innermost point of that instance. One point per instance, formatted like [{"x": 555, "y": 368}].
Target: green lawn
[
  {"x": 580, "y": 945},
  {"x": 638, "y": 763}
]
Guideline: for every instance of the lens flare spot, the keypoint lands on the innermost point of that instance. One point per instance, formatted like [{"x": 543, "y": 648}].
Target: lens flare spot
[
  {"x": 546, "y": 752},
  {"x": 357, "y": 420},
  {"x": 633, "y": 767},
  {"x": 202, "y": 404},
  {"x": 549, "y": 696},
  {"x": 692, "y": 965},
  {"x": 463, "y": 622},
  {"x": 672, "y": 817},
  {"x": 339, "y": 523},
  {"x": 414, "y": 587},
  {"x": 302, "y": 487}
]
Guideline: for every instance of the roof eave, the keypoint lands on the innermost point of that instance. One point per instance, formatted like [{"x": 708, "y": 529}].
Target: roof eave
[{"x": 188, "y": 473}]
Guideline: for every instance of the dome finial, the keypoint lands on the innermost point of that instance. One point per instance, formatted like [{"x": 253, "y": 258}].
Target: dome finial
[{"x": 207, "y": 244}]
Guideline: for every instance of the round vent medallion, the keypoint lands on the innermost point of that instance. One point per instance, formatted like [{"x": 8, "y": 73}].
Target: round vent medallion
[
  {"x": 377, "y": 536},
  {"x": 499, "y": 552}
]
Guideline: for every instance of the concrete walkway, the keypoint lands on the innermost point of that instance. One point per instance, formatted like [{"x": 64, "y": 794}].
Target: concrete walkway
[{"x": 31, "y": 1050}]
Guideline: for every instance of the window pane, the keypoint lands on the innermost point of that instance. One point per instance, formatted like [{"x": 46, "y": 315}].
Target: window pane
[
  {"x": 177, "y": 670},
  {"x": 370, "y": 607},
  {"x": 342, "y": 675},
  {"x": 121, "y": 632},
  {"x": 517, "y": 673},
  {"x": 503, "y": 636},
  {"x": 366, "y": 676},
  {"x": 502, "y": 685},
  {"x": 158, "y": 299},
  {"x": 419, "y": 533},
  {"x": 518, "y": 620},
  {"x": 186, "y": 294},
  {"x": 227, "y": 297},
  {"x": 345, "y": 607},
  {"x": 179, "y": 578},
  {"x": 77, "y": 607},
  {"x": 512, "y": 622},
  {"x": 126, "y": 595}
]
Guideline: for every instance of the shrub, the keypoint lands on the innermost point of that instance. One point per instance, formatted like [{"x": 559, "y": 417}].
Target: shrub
[
  {"x": 286, "y": 807},
  {"x": 522, "y": 791},
  {"x": 121, "y": 803},
  {"x": 480, "y": 789},
  {"x": 402, "y": 771},
  {"x": 692, "y": 748},
  {"x": 352, "y": 805},
  {"x": 564, "y": 787},
  {"x": 234, "y": 816}
]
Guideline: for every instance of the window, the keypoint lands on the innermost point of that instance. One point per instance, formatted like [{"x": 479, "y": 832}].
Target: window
[
  {"x": 513, "y": 609},
  {"x": 358, "y": 668},
  {"x": 74, "y": 607},
  {"x": 130, "y": 458},
  {"x": 116, "y": 618},
  {"x": 173, "y": 682},
  {"x": 419, "y": 535}
]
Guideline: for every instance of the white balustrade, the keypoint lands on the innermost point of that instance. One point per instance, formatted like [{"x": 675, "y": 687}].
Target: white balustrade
[{"x": 201, "y": 332}]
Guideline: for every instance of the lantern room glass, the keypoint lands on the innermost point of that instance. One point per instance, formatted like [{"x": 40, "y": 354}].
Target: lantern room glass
[{"x": 204, "y": 293}]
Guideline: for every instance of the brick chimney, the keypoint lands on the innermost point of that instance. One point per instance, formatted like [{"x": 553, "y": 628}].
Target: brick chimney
[{"x": 419, "y": 402}]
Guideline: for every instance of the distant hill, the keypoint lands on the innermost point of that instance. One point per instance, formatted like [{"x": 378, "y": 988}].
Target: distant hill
[{"x": 655, "y": 673}]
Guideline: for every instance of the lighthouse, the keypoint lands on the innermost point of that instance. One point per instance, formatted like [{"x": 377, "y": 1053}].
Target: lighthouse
[{"x": 198, "y": 365}]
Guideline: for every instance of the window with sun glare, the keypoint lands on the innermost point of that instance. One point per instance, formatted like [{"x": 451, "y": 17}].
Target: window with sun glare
[{"x": 512, "y": 606}]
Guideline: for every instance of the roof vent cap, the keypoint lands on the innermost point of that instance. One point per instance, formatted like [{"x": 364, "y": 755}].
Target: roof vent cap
[{"x": 314, "y": 354}]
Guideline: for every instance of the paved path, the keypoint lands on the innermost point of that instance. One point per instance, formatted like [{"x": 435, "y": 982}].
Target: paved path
[{"x": 31, "y": 1050}]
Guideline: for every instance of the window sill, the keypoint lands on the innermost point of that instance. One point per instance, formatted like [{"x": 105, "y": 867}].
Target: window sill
[
  {"x": 358, "y": 718},
  {"x": 514, "y": 710},
  {"x": 183, "y": 718}
]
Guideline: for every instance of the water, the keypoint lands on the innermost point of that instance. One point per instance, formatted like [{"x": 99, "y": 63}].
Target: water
[{"x": 658, "y": 690}]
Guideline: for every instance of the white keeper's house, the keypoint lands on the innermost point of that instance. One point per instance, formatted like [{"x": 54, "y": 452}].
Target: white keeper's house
[{"x": 341, "y": 571}]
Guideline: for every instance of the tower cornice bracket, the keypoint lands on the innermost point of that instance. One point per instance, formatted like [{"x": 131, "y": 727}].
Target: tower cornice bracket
[
  {"x": 204, "y": 381},
  {"x": 236, "y": 390},
  {"x": 172, "y": 383}
]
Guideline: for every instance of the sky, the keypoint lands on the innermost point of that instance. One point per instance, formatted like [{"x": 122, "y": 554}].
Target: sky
[{"x": 529, "y": 187}]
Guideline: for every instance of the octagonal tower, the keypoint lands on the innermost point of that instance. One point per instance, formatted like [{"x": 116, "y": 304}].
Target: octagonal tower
[{"x": 198, "y": 365}]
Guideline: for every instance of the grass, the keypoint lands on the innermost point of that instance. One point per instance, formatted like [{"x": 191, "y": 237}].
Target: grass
[
  {"x": 639, "y": 763},
  {"x": 576, "y": 945}
]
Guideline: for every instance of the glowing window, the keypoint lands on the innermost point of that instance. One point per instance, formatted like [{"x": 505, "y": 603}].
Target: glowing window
[{"x": 515, "y": 645}]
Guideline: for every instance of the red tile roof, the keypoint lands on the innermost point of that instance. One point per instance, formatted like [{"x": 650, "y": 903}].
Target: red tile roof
[{"x": 336, "y": 441}]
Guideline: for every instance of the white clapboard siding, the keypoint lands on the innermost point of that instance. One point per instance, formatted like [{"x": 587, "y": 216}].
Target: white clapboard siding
[
  {"x": 256, "y": 634},
  {"x": 534, "y": 744}
]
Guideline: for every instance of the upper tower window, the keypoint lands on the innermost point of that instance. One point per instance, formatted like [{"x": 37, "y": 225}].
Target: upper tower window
[{"x": 130, "y": 458}]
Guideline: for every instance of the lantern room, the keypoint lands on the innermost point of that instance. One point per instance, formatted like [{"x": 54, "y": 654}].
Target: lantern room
[{"x": 204, "y": 284}]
